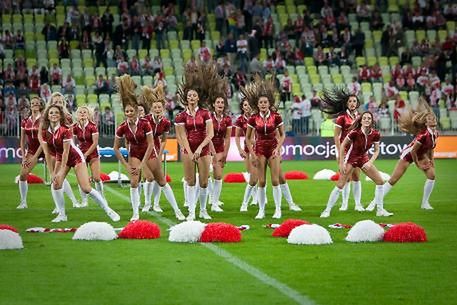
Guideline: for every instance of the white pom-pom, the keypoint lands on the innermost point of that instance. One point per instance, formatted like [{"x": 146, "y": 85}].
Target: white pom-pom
[
  {"x": 309, "y": 235},
  {"x": 95, "y": 231},
  {"x": 324, "y": 174},
  {"x": 365, "y": 231},
  {"x": 114, "y": 176},
  {"x": 385, "y": 177},
  {"x": 10, "y": 240},
  {"x": 187, "y": 232}
]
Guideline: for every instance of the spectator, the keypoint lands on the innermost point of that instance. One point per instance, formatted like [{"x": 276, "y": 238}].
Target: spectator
[
  {"x": 122, "y": 66},
  {"x": 135, "y": 68},
  {"x": 204, "y": 53},
  {"x": 147, "y": 65},
  {"x": 255, "y": 67},
  {"x": 44, "y": 75},
  {"x": 305, "y": 114},
  {"x": 354, "y": 87},
  {"x": 399, "y": 107},
  {"x": 101, "y": 85},
  {"x": 279, "y": 64},
  {"x": 23, "y": 90},
  {"x": 242, "y": 53},
  {"x": 390, "y": 91},
  {"x": 410, "y": 82},
  {"x": 9, "y": 74},
  {"x": 157, "y": 65},
  {"x": 101, "y": 50},
  {"x": 230, "y": 47},
  {"x": 64, "y": 49},
  {"x": 449, "y": 93},
  {"x": 45, "y": 92},
  {"x": 376, "y": 73},
  {"x": 267, "y": 33},
  {"x": 49, "y": 32},
  {"x": 68, "y": 85},
  {"x": 376, "y": 22},
  {"x": 372, "y": 106},
  {"x": 286, "y": 88},
  {"x": 56, "y": 75},
  {"x": 108, "y": 121},
  {"x": 169, "y": 106},
  {"x": 20, "y": 40},
  {"x": 364, "y": 73},
  {"x": 34, "y": 84}
]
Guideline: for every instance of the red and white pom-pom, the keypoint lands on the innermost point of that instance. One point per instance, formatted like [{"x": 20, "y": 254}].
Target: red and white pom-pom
[
  {"x": 8, "y": 227},
  {"x": 406, "y": 232},
  {"x": 140, "y": 229},
  {"x": 296, "y": 175},
  {"x": 95, "y": 231},
  {"x": 186, "y": 232},
  {"x": 234, "y": 178},
  {"x": 365, "y": 231},
  {"x": 284, "y": 229},
  {"x": 104, "y": 177},
  {"x": 31, "y": 179},
  {"x": 335, "y": 177},
  {"x": 324, "y": 174},
  {"x": 10, "y": 240},
  {"x": 221, "y": 232},
  {"x": 309, "y": 235}
]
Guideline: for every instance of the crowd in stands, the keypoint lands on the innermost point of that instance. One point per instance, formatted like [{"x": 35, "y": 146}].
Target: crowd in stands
[{"x": 321, "y": 31}]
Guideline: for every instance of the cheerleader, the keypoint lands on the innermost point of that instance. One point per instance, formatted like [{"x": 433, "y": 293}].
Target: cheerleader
[
  {"x": 422, "y": 124},
  {"x": 155, "y": 99},
  {"x": 220, "y": 143},
  {"x": 359, "y": 140},
  {"x": 241, "y": 125},
  {"x": 343, "y": 106},
  {"x": 137, "y": 131},
  {"x": 30, "y": 146},
  {"x": 194, "y": 131},
  {"x": 57, "y": 141},
  {"x": 58, "y": 99},
  {"x": 267, "y": 149},
  {"x": 86, "y": 132}
]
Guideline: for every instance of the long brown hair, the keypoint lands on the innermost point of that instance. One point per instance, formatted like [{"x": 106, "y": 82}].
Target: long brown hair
[
  {"x": 335, "y": 101},
  {"x": 357, "y": 124},
  {"x": 45, "y": 118},
  {"x": 413, "y": 122},
  {"x": 126, "y": 88},
  {"x": 260, "y": 88}
]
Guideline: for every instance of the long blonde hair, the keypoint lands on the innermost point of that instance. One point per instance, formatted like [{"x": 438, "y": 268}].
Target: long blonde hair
[
  {"x": 413, "y": 122},
  {"x": 126, "y": 88}
]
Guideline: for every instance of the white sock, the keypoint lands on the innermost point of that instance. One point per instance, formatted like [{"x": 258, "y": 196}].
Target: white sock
[
  {"x": 217, "y": 188},
  {"x": 379, "y": 197},
  {"x": 203, "y": 198},
  {"x": 255, "y": 197},
  {"x": 261, "y": 196},
  {"x": 156, "y": 191},
  {"x": 210, "y": 187},
  {"x": 247, "y": 193},
  {"x": 185, "y": 188},
  {"x": 67, "y": 190},
  {"x": 387, "y": 187},
  {"x": 99, "y": 187},
  {"x": 168, "y": 192},
  {"x": 23, "y": 189},
  {"x": 428, "y": 188},
  {"x": 147, "y": 192},
  {"x": 98, "y": 198},
  {"x": 83, "y": 195},
  {"x": 334, "y": 195},
  {"x": 345, "y": 193},
  {"x": 197, "y": 191},
  {"x": 286, "y": 193},
  {"x": 59, "y": 201},
  {"x": 277, "y": 196},
  {"x": 357, "y": 191},
  {"x": 135, "y": 199},
  {"x": 191, "y": 190}
]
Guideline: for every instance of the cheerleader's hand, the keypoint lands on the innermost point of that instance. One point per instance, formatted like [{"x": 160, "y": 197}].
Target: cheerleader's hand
[
  {"x": 255, "y": 160},
  {"x": 275, "y": 153},
  {"x": 197, "y": 153},
  {"x": 26, "y": 163},
  {"x": 243, "y": 154},
  {"x": 342, "y": 168}
]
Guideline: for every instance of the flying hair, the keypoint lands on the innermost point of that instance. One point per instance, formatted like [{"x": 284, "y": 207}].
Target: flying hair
[
  {"x": 126, "y": 88},
  {"x": 260, "y": 88},
  {"x": 334, "y": 101},
  {"x": 196, "y": 78},
  {"x": 413, "y": 122},
  {"x": 151, "y": 96}
]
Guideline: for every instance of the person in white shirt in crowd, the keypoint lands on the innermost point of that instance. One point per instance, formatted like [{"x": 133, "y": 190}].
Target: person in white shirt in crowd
[
  {"x": 68, "y": 85},
  {"x": 242, "y": 53},
  {"x": 390, "y": 90},
  {"x": 296, "y": 111},
  {"x": 448, "y": 91},
  {"x": 354, "y": 87},
  {"x": 305, "y": 114},
  {"x": 286, "y": 88}
]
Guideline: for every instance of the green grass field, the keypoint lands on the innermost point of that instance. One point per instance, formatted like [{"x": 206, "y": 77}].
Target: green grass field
[{"x": 54, "y": 269}]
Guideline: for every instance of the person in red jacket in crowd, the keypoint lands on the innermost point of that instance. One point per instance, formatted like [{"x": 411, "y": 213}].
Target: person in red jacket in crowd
[
  {"x": 343, "y": 105},
  {"x": 57, "y": 140},
  {"x": 266, "y": 151},
  {"x": 364, "y": 74},
  {"x": 194, "y": 131},
  {"x": 421, "y": 124},
  {"x": 86, "y": 132},
  {"x": 353, "y": 154},
  {"x": 30, "y": 146}
]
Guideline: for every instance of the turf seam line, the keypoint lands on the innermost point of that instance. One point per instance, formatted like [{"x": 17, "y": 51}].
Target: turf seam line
[{"x": 244, "y": 266}]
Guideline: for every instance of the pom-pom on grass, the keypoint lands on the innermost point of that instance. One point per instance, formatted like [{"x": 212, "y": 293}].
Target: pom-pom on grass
[
  {"x": 140, "y": 229},
  {"x": 104, "y": 177},
  {"x": 95, "y": 231},
  {"x": 8, "y": 227},
  {"x": 234, "y": 178},
  {"x": 335, "y": 177},
  {"x": 284, "y": 229},
  {"x": 407, "y": 232},
  {"x": 365, "y": 231},
  {"x": 309, "y": 235},
  {"x": 221, "y": 232},
  {"x": 10, "y": 240},
  {"x": 325, "y": 174},
  {"x": 186, "y": 232},
  {"x": 296, "y": 175}
]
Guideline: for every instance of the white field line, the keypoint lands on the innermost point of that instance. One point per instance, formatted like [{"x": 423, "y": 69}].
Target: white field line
[{"x": 251, "y": 270}]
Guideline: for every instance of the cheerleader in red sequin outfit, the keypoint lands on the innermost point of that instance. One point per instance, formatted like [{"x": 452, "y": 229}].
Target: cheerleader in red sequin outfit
[
  {"x": 86, "y": 132},
  {"x": 267, "y": 150},
  {"x": 422, "y": 124},
  {"x": 155, "y": 100},
  {"x": 58, "y": 99},
  {"x": 342, "y": 106},
  {"x": 30, "y": 146},
  {"x": 353, "y": 154},
  {"x": 220, "y": 143},
  {"x": 57, "y": 140},
  {"x": 194, "y": 131}
]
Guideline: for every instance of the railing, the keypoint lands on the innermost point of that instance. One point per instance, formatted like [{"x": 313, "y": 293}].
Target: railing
[{"x": 10, "y": 124}]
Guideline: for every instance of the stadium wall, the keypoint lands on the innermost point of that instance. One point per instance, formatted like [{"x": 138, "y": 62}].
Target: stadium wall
[{"x": 294, "y": 148}]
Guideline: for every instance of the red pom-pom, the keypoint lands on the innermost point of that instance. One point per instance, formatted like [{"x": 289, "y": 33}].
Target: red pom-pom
[
  {"x": 335, "y": 177},
  {"x": 284, "y": 229},
  {"x": 140, "y": 229},
  {"x": 8, "y": 227},
  {"x": 296, "y": 175},
  {"x": 405, "y": 233},
  {"x": 220, "y": 232},
  {"x": 31, "y": 178},
  {"x": 168, "y": 178},
  {"x": 234, "y": 178},
  {"x": 104, "y": 177}
]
